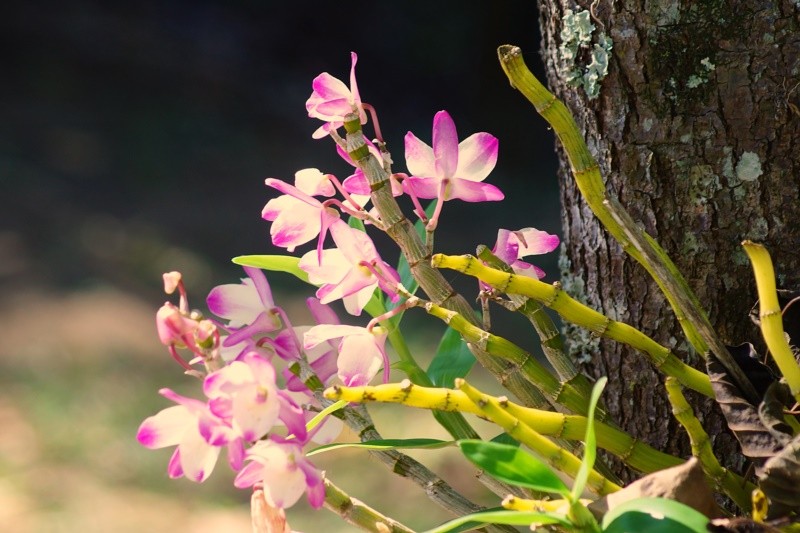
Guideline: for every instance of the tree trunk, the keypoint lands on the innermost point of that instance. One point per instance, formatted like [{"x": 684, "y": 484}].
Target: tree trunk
[{"x": 696, "y": 128}]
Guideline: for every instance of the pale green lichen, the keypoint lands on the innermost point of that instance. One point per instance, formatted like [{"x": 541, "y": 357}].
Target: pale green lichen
[
  {"x": 583, "y": 63},
  {"x": 581, "y": 344},
  {"x": 701, "y": 77},
  {"x": 749, "y": 167},
  {"x": 727, "y": 163},
  {"x": 647, "y": 124}
]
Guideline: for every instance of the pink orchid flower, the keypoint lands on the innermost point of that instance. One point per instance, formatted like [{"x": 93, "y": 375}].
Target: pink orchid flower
[
  {"x": 451, "y": 169},
  {"x": 297, "y": 217},
  {"x": 248, "y": 306},
  {"x": 197, "y": 433},
  {"x": 331, "y": 100},
  {"x": 511, "y": 246},
  {"x": 361, "y": 352},
  {"x": 351, "y": 271},
  {"x": 245, "y": 394},
  {"x": 284, "y": 471}
]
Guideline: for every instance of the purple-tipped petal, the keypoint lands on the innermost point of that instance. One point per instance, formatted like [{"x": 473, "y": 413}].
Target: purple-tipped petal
[
  {"x": 477, "y": 156},
  {"x": 473, "y": 191},
  {"x": 174, "y": 468},
  {"x": 249, "y": 475},
  {"x": 534, "y": 242},
  {"x": 445, "y": 145},
  {"x": 326, "y": 87},
  {"x": 240, "y": 303},
  {"x": 165, "y": 428}
]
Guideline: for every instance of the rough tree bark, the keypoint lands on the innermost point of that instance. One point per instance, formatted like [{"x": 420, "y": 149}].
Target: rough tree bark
[{"x": 696, "y": 128}]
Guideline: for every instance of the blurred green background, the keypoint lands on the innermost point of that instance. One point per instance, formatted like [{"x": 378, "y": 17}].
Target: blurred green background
[{"x": 134, "y": 139}]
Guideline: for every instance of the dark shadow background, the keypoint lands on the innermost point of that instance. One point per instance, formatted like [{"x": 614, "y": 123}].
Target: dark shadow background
[
  {"x": 129, "y": 129},
  {"x": 134, "y": 140}
]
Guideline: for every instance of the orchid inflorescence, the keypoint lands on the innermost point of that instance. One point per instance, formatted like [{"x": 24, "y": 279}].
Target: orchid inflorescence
[{"x": 255, "y": 364}]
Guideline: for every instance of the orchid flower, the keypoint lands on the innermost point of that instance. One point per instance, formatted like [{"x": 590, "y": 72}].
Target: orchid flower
[
  {"x": 297, "y": 217},
  {"x": 511, "y": 246},
  {"x": 351, "y": 271},
  {"x": 361, "y": 352},
  {"x": 451, "y": 169},
  {"x": 331, "y": 100},
  {"x": 284, "y": 471},
  {"x": 198, "y": 434},
  {"x": 245, "y": 393},
  {"x": 248, "y": 306}
]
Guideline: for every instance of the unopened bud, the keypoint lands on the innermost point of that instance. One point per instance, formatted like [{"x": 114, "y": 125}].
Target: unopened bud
[{"x": 171, "y": 281}]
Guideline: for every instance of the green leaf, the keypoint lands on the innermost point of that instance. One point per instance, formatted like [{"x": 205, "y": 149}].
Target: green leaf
[
  {"x": 314, "y": 422},
  {"x": 590, "y": 447},
  {"x": 505, "y": 438},
  {"x": 654, "y": 515},
  {"x": 512, "y": 465},
  {"x": 386, "y": 444},
  {"x": 500, "y": 516},
  {"x": 452, "y": 360},
  {"x": 275, "y": 263},
  {"x": 357, "y": 223}
]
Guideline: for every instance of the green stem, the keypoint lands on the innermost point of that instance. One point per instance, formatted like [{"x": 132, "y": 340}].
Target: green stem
[
  {"x": 570, "y": 309},
  {"x": 533, "y": 371},
  {"x": 638, "y": 244},
  {"x": 725, "y": 480},
  {"x": 551, "y": 340},
  {"x": 555, "y": 456},
  {"x": 634, "y": 453},
  {"x": 358, "y": 513},
  {"x": 771, "y": 318}
]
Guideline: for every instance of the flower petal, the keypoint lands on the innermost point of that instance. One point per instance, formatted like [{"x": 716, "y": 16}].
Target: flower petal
[
  {"x": 473, "y": 191},
  {"x": 534, "y": 242},
  {"x": 419, "y": 157},
  {"x": 240, "y": 303},
  {"x": 445, "y": 145},
  {"x": 165, "y": 428},
  {"x": 477, "y": 156},
  {"x": 197, "y": 456}
]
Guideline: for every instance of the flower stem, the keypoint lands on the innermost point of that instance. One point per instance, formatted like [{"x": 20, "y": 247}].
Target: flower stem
[
  {"x": 555, "y": 298},
  {"x": 634, "y": 453}
]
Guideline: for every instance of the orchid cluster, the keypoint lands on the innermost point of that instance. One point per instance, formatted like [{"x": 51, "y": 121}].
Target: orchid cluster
[{"x": 261, "y": 376}]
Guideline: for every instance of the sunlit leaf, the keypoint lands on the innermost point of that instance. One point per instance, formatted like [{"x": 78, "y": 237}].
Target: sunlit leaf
[
  {"x": 512, "y": 465},
  {"x": 386, "y": 444},
  {"x": 275, "y": 263},
  {"x": 654, "y": 515},
  {"x": 514, "y": 518},
  {"x": 452, "y": 360},
  {"x": 590, "y": 448}
]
